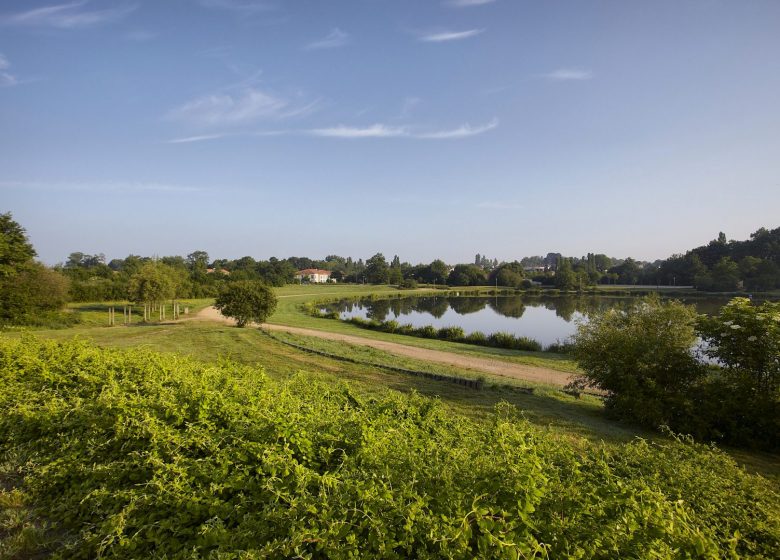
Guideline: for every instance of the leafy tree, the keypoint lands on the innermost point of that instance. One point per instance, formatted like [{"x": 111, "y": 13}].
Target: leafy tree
[
  {"x": 725, "y": 275},
  {"x": 467, "y": 275},
  {"x": 246, "y": 301},
  {"x": 642, "y": 357},
  {"x": 35, "y": 289},
  {"x": 377, "y": 271},
  {"x": 565, "y": 277},
  {"x": 508, "y": 274},
  {"x": 152, "y": 284},
  {"x": 27, "y": 288},
  {"x": 16, "y": 251}
]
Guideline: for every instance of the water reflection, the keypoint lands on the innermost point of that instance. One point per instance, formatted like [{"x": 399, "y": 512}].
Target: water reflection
[{"x": 546, "y": 319}]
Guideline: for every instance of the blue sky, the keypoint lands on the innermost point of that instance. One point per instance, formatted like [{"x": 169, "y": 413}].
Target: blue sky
[{"x": 419, "y": 128}]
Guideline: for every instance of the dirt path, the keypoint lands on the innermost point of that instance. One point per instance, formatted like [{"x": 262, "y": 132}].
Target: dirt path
[{"x": 495, "y": 367}]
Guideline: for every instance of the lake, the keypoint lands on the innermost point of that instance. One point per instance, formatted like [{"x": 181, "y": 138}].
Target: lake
[{"x": 545, "y": 319}]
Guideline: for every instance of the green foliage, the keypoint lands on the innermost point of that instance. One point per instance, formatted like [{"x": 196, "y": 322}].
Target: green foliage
[
  {"x": 138, "y": 455},
  {"x": 467, "y": 275},
  {"x": 745, "y": 339},
  {"x": 152, "y": 284},
  {"x": 377, "y": 270},
  {"x": 741, "y": 404},
  {"x": 565, "y": 277},
  {"x": 16, "y": 251},
  {"x": 33, "y": 291},
  {"x": 246, "y": 301},
  {"x": 641, "y": 356},
  {"x": 30, "y": 293},
  {"x": 509, "y": 274},
  {"x": 512, "y": 342},
  {"x": 454, "y": 334}
]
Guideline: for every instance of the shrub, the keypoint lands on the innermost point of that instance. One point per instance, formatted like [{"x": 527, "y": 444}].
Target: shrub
[
  {"x": 452, "y": 334},
  {"x": 427, "y": 331},
  {"x": 477, "y": 337},
  {"x": 389, "y": 326},
  {"x": 565, "y": 347},
  {"x": 642, "y": 357},
  {"x": 132, "y": 454},
  {"x": 246, "y": 301}
]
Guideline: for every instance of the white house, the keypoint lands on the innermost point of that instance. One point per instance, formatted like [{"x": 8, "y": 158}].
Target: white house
[{"x": 313, "y": 275}]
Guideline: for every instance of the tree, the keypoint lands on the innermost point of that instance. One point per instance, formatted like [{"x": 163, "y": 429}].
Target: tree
[
  {"x": 641, "y": 357},
  {"x": 16, "y": 251},
  {"x": 725, "y": 275},
  {"x": 565, "y": 277},
  {"x": 33, "y": 290},
  {"x": 467, "y": 275},
  {"x": 152, "y": 284},
  {"x": 508, "y": 274},
  {"x": 26, "y": 287},
  {"x": 377, "y": 270},
  {"x": 246, "y": 301}
]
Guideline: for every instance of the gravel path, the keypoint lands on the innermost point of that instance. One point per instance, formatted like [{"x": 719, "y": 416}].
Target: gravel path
[{"x": 494, "y": 367}]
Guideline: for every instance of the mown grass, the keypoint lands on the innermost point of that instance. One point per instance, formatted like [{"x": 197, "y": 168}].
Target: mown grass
[{"x": 289, "y": 313}]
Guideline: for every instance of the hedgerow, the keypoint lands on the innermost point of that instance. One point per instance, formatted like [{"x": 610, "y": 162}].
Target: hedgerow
[{"x": 132, "y": 454}]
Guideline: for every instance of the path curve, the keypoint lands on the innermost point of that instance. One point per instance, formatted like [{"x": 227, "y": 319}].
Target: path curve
[{"x": 494, "y": 367}]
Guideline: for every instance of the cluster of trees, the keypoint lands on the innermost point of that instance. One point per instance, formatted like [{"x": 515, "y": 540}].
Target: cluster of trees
[
  {"x": 30, "y": 293},
  {"x": 644, "y": 358},
  {"x": 721, "y": 265}
]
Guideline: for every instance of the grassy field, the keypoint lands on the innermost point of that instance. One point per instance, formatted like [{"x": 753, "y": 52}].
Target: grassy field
[
  {"x": 289, "y": 313},
  {"x": 574, "y": 419},
  {"x": 564, "y": 415}
]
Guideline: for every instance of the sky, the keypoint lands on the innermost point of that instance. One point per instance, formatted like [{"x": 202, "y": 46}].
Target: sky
[{"x": 422, "y": 128}]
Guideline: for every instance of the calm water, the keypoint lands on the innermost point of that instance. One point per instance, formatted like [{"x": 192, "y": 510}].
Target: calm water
[{"x": 546, "y": 319}]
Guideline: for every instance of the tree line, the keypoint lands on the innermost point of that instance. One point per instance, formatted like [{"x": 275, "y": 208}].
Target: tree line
[{"x": 31, "y": 289}]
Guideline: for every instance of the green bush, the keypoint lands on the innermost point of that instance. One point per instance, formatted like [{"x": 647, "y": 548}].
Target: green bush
[
  {"x": 642, "y": 357},
  {"x": 477, "y": 337},
  {"x": 427, "y": 331},
  {"x": 453, "y": 334},
  {"x": 132, "y": 454},
  {"x": 246, "y": 301},
  {"x": 389, "y": 326},
  {"x": 512, "y": 342}
]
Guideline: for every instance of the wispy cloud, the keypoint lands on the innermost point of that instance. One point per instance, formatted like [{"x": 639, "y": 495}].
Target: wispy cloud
[
  {"x": 444, "y": 36},
  {"x": 386, "y": 131},
  {"x": 568, "y": 74},
  {"x": 240, "y": 7},
  {"x": 6, "y": 78},
  {"x": 378, "y": 130},
  {"x": 373, "y": 131},
  {"x": 494, "y": 205},
  {"x": 468, "y": 3},
  {"x": 336, "y": 38},
  {"x": 245, "y": 106},
  {"x": 199, "y": 138},
  {"x": 463, "y": 131},
  {"x": 104, "y": 187},
  {"x": 72, "y": 15}
]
